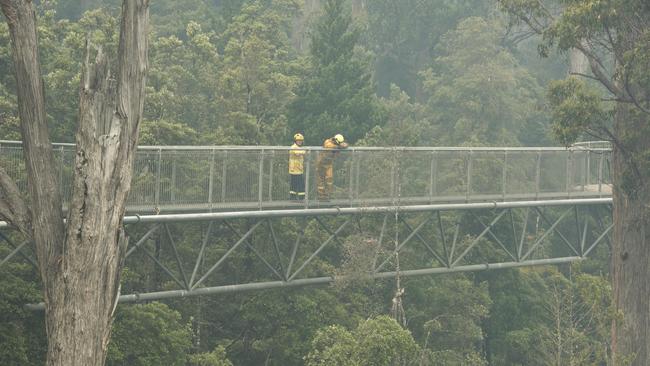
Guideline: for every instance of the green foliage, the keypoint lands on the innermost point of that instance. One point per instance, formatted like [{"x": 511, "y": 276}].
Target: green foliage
[
  {"x": 379, "y": 341},
  {"x": 333, "y": 345},
  {"x": 478, "y": 94},
  {"x": 450, "y": 324},
  {"x": 148, "y": 335},
  {"x": 215, "y": 358},
  {"x": 403, "y": 35},
  {"x": 615, "y": 41},
  {"x": 162, "y": 132},
  {"x": 541, "y": 317},
  {"x": 337, "y": 95},
  {"x": 576, "y": 109},
  {"x": 258, "y": 75},
  {"x": 21, "y": 341},
  {"x": 407, "y": 123}
]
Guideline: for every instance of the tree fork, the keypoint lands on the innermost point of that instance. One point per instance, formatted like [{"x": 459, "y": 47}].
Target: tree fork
[{"x": 80, "y": 263}]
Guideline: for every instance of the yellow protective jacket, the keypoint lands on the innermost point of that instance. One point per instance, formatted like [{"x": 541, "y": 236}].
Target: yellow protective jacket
[
  {"x": 327, "y": 157},
  {"x": 296, "y": 160}
]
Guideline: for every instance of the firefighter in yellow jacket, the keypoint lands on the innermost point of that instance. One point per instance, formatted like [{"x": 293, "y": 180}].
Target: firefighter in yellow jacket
[
  {"x": 325, "y": 166},
  {"x": 296, "y": 168}
]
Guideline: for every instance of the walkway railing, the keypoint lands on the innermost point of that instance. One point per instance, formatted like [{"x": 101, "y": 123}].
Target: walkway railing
[{"x": 177, "y": 178}]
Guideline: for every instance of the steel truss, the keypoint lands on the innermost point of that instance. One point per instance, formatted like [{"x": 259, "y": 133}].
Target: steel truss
[{"x": 432, "y": 239}]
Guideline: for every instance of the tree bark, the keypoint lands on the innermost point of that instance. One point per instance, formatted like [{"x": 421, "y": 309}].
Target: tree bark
[
  {"x": 630, "y": 257},
  {"x": 79, "y": 263}
]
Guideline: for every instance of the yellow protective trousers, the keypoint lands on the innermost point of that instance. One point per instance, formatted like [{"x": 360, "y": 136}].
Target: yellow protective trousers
[{"x": 325, "y": 180}]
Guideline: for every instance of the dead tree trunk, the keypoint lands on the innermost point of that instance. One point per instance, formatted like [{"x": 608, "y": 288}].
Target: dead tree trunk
[{"x": 79, "y": 263}]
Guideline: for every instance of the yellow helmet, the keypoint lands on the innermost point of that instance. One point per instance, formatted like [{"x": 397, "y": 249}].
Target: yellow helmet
[
  {"x": 298, "y": 137},
  {"x": 338, "y": 138}
]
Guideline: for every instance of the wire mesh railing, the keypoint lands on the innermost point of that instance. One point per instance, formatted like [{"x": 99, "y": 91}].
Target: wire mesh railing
[{"x": 176, "y": 178}]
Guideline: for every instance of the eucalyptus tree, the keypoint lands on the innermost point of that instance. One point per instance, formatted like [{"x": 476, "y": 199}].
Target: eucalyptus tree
[
  {"x": 477, "y": 92},
  {"x": 614, "y": 37},
  {"x": 79, "y": 262}
]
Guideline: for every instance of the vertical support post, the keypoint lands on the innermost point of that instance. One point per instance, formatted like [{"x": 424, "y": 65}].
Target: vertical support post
[
  {"x": 469, "y": 175},
  {"x": 356, "y": 177},
  {"x": 432, "y": 177},
  {"x": 224, "y": 171},
  {"x": 271, "y": 175},
  {"x": 538, "y": 171},
  {"x": 211, "y": 179},
  {"x": 306, "y": 172},
  {"x": 260, "y": 182},
  {"x": 61, "y": 168},
  {"x": 350, "y": 179},
  {"x": 600, "y": 175},
  {"x": 569, "y": 164},
  {"x": 392, "y": 176},
  {"x": 158, "y": 183},
  {"x": 588, "y": 167},
  {"x": 173, "y": 191},
  {"x": 504, "y": 175}
]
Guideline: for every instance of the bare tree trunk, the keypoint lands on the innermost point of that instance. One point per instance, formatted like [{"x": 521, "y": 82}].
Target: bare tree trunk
[
  {"x": 578, "y": 63},
  {"x": 300, "y": 25},
  {"x": 630, "y": 263},
  {"x": 80, "y": 263}
]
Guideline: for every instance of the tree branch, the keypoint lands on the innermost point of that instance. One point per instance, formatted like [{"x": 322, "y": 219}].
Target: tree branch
[
  {"x": 573, "y": 73},
  {"x": 42, "y": 178},
  {"x": 629, "y": 92},
  {"x": 12, "y": 206},
  {"x": 597, "y": 68}
]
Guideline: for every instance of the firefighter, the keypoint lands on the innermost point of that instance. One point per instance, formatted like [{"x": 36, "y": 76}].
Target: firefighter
[
  {"x": 296, "y": 168},
  {"x": 325, "y": 166}
]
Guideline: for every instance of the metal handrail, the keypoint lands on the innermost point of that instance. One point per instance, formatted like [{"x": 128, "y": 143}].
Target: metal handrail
[
  {"x": 199, "y": 178},
  {"x": 319, "y": 148}
]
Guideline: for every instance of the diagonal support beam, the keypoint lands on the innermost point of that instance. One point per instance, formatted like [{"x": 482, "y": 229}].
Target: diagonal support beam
[
  {"x": 399, "y": 247},
  {"x": 250, "y": 246},
  {"x": 546, "y": 233},
  {"x": 442, "y": 237},
  {"x": 164, "y": 268},
  {"x": 520, "y": 248},
  {"x": 199, "y": 258},
  {"x": 505, "y": 248},
  {"x": 557, "y": 231},
  {"x": 476, "y": 240},
  {"x": 603, "y": 235},
  {"x": 424, "y": 242},
  {"x": 328, "y": 230},
  {"x": 179, "y": 263},
  {"x": 227, "y": 254},
  {"x": 277, "y": 249},
  {"x": 301, "y": 233},
  {"x": 142, "y": 240},
  {"x": 334, "y": 234},
  {"x": 381, "y": 239},
  {"x": 27, "y": 257},
  {"x": 453, "y": 243},
  {"x": 14, "y": 252}
]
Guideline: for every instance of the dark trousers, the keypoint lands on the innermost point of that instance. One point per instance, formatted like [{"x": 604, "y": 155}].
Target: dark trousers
[{"x": 297, "y": 187}]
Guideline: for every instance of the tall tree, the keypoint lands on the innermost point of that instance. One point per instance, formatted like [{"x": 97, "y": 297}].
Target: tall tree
[
  {"x": 79, "y": 262},
  {"x": 403, "y": 35},
  {"x": 337, "y": 96},
  {"x": 478, "y": 94},
  {"x": 615, "y": 38}
]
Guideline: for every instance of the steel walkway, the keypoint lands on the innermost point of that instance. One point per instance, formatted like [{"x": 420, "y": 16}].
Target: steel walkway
[{"x": 443, "y": 210}]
